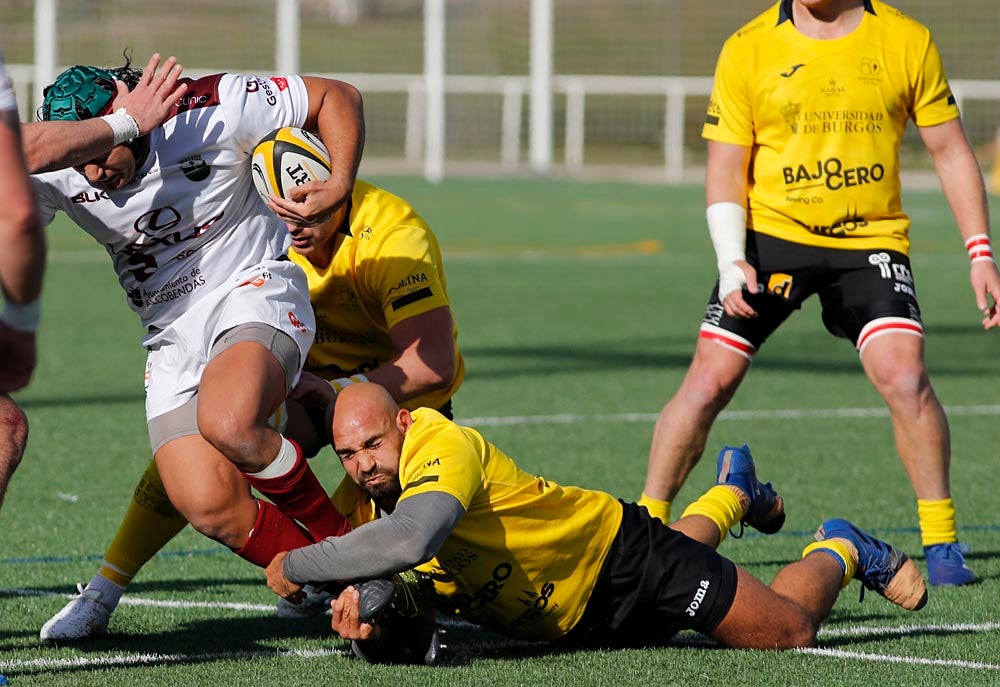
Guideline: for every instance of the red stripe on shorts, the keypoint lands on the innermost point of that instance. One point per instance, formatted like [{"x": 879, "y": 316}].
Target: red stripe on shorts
[
  {"x": 901, "y": 326},
  {"x": 726, "y": 341}
]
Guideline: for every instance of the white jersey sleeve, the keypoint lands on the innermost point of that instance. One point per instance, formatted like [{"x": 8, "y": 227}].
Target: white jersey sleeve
[{"x": 256, "y": 105}]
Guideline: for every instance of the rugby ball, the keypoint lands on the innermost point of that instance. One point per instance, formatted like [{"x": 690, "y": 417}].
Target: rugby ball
[{"x": 288, "y": 157}]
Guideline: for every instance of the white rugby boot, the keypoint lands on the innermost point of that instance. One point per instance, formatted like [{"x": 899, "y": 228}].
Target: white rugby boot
[{"x": 83, "y": 618}]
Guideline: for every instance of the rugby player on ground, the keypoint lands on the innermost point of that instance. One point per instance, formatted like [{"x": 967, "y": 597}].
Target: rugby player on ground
[{"x": 535, "y": 560}]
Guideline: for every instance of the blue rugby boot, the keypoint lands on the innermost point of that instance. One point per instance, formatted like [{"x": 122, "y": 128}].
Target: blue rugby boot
[
  {"x": 881, "y": 567},
  {"x": 946, "y": 565},
  {"x": 767, "y": 509}
]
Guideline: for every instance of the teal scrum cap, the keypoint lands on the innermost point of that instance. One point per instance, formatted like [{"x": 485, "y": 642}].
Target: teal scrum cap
[{"x": 79, "y": 93}]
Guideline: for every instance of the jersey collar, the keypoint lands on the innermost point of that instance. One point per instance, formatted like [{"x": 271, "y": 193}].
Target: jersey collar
[
  {"x": 785, "y": 11},
  {"x": 345, "y": 224}
]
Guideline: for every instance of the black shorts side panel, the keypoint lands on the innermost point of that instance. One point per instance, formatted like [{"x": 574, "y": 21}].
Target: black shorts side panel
[
  {"x": 855, "y": 287},
  {"x": 655, "y": 583},
  {"x": 867, "y": 286}
]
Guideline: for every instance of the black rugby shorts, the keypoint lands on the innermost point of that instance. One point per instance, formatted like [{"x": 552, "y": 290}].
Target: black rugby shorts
[
  {"x": 654, "y": 583},
  {"x": 855, "y": 287}
]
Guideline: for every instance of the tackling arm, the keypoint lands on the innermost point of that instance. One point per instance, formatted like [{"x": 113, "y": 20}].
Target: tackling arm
[
  {"x": 425, "y": 356},
  {"x": 424, "y": 362},
  {"x": 56, "y": 145},
  {"x": 407, "y": 537},
  {"x": 962, "y": 182}
]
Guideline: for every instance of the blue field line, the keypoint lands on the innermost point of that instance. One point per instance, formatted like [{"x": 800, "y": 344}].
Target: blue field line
[
  {"x": 34, "y": 560},
  {"x": 39, "y": 560}
]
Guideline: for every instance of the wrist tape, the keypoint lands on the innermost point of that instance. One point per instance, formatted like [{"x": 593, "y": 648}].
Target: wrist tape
[
  {"x": 123, "y": 126},
  {"x": 979, "y": 248},
  {"x": 727, "y": 225}
]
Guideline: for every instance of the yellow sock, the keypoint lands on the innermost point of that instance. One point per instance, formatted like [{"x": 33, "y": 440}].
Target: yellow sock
[
  {"x": 720, "y": 504},
  {"x": 150, "y": 522},
  {"x": 657, "y": 508},
  {"x": 937, "y": 522},
  {"x": 842, "y": 550}
]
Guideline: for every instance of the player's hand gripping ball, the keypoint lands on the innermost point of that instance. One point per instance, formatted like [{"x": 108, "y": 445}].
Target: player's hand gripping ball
[{"x": 288, "y": 157}]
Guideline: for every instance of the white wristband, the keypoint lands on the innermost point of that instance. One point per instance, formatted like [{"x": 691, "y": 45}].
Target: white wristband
[
  {"x": 123, "y": 126},
  {"x": 339, "y": 384},
  {"x": 979, "y": 248},
  {"x": 727, "y": 225},
  {"x": 23, "y": 317}
]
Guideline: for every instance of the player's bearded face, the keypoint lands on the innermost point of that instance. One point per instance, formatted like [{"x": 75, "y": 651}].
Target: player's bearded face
[
  {"x": 384, "y": 486},
  {"x": 380, "y": 479},
  {"x": 370, "y": 455}
]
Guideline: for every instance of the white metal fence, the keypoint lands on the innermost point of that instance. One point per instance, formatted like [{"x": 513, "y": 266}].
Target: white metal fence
[{"x": 540, "y": 121}]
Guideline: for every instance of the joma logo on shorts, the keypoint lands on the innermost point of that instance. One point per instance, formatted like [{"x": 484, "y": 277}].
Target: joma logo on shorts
[{"x": 699, "y": 596}]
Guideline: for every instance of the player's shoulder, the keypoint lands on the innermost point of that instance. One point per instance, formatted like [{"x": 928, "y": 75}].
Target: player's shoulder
[
  {"x": 895, "y": 28},
  {"x": 435, "y": 445},
  {"x": 375, "y": 199},
  {"x": 201, "y": 92},
  {"x": 232, "y": 89},
  {"x": 428, "y": 420},
  {"x": 376, "y": 213},
  {"x": 757, "y": 30},
  {"x": 895, "y": 17},
  {"x": 432, "y": 429},
  {"x": 69, "y": 183}
]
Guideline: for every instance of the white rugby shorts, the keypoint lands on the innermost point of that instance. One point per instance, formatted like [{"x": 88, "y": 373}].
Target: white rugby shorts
[{"x": 275, "y": 292}]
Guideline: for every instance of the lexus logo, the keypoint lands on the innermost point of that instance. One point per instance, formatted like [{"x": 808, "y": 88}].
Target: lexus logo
[{"x": 157, "y": 220}]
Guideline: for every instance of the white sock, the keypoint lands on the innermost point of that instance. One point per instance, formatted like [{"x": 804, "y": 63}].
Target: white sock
[
  {"x": 282, "y": 463},
  {"x": 111, "y": 593}
]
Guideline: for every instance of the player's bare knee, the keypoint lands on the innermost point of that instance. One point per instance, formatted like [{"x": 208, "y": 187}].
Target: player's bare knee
[
  {"x": 238, "y": 440},
  {"x": 903, "y": 384},
  {"x": 798, "y": 632},
  {"x": 215, "y": 523},
  {"x": 707, "y": 390}
]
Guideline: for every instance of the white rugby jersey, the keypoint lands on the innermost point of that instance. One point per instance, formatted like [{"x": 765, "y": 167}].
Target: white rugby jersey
[
  {"x": 191, "y": 219},
  {"x": 7, "y": 100}
]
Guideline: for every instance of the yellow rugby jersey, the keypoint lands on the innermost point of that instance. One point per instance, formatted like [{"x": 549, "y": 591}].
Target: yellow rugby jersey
[
  {"x": 825, "y": 119},
  {"x": 386, "y": 268},
  {"x": 524, "y": 558}
]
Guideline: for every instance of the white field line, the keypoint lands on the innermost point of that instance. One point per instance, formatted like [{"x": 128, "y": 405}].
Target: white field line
[
  {"x": 129, "y": 600},
  {"x": 736, "y": 415},
  {"x": 882, "y": 630},
  {"x": 124, "y": 660},
  {"x": 129, "y": 660},
  {"x": 908, "y": 660}
]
